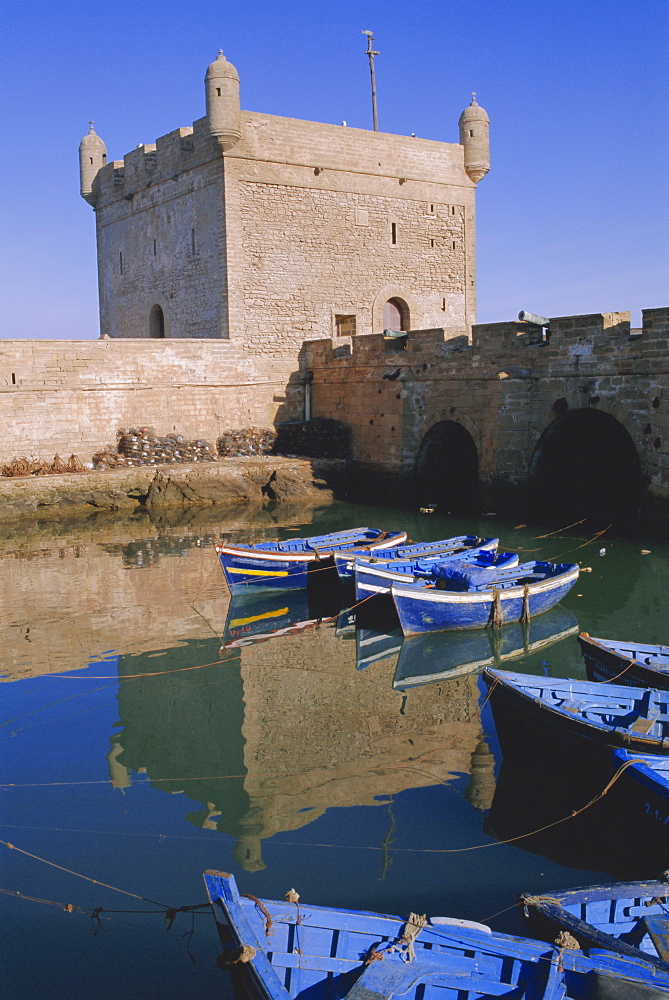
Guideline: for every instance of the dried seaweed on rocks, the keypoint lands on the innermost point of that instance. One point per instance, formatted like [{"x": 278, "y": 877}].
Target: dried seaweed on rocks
[{"x": 37, "y": 467}]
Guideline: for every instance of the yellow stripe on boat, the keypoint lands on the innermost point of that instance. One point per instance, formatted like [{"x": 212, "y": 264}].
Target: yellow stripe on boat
[
  {"x": 259, "y": 572},
  {"x": 257, "y": 618}
]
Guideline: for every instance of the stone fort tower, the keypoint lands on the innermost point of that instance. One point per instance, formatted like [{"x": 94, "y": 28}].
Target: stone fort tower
[{"x": 269, "y": 231}]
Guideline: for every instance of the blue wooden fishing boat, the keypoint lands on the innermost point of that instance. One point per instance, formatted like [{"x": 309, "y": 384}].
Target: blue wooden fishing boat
[
  {"x": 345, "y": 561},
  {"x": 643, "y": 787},
  {"x": 628, "y": 918},
  {"x": 283, "y": 949},
  {"x": 631, "y": 663},
  {"x": 576, "y": 719},
  {"x": 374, "y": 577},
  {"x": 481, "y": 596},
  {"x": 439, "y": 656},
  {"x": 285, "y": 565}
]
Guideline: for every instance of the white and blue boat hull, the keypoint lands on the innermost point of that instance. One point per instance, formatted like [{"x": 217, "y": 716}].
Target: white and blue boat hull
[
  {"x": 376, "y": 577},
  {"x": 287, "y": 565},
  {"x": 424, "y": 608},
  {"x": 440, "y": 549}
]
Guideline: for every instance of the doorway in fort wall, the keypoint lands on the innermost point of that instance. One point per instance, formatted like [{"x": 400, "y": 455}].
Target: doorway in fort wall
[
  {"x": 586, "y": 465},
  {"x": 447, "y": 469}
]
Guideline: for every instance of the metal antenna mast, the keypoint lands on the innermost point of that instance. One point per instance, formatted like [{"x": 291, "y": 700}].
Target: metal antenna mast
[{"x": 371, "y": 53}]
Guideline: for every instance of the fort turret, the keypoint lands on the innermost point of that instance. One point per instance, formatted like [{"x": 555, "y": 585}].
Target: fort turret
[
  {"x": 92, "y": 157},
  {"x": 222, "y": 94},
  {"x": 474, "y": 127}
]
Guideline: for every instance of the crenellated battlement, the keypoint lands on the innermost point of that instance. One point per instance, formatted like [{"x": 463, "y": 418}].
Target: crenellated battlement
[
  {"x": 155, "y": 163},
  {"x": 596, "y": 339}
]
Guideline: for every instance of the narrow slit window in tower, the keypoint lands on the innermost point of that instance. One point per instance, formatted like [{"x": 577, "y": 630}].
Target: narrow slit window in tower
[
  {"x": 120, "y": 261},
  {"x": 393, "y": 233},
  {"x": 155, "y": 248}
]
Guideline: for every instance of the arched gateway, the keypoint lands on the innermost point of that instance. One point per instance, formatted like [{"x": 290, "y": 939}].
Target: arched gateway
[
  {"x": 447, "y": 469},
  {"x": 586, "y": 465}
]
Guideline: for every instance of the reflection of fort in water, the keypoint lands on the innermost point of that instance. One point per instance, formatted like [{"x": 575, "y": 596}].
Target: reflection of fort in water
[{"x": 287, "y": 728}]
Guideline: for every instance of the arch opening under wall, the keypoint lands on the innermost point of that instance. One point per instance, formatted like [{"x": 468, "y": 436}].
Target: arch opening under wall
[
  {"x": 447, "y": 469},
  {"x": 585, "y": 465}
]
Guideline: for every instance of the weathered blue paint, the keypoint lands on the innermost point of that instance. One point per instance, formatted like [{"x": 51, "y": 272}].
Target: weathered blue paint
[
  {"x": 625, "y": 662},
  {"x": 295, "y": 950},
  {"x": 285, "y": 565},
  {"x": 423, "y": 607},
  {"x": 376, "y": 576},
  {"x": 622, "y": 918},
  {"x": 345, "y": 561}
]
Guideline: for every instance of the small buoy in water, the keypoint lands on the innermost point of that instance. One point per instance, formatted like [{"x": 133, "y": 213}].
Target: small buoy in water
[
  {"x": 519, "y": 526},
  {"x": 586, "y": 569},
  {"x": 645, "y": 552},
  {"x": 602, "y": 552}
]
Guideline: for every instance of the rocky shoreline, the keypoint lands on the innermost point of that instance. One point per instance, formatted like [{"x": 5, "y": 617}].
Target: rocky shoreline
[{"x": 228, "y": 482}]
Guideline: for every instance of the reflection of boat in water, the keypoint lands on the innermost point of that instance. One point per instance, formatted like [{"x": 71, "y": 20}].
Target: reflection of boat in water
[
  {"x": 327, "y": 954},
  {"x": 259, "y": 615},
  {"x": 547, "y": 806},
  {"x": 440, "y": 655},
  {"x": 373, "y": 646}
]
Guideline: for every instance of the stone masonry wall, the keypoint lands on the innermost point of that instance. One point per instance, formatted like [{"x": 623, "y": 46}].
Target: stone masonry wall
[
  {"x": 501, "y": 388},
  {"x": 300, "y": 221},
  {"x": 72, "y": 396}
]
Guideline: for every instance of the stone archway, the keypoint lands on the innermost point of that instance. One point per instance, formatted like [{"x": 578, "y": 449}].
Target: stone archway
[
  {"x": 447, "y": 469},
  {"x": 396, "y": 315},
  {"x": 585, "y": 464},
  {"x": 402, "y": 300},
  {"x": 156, "y": 322}
]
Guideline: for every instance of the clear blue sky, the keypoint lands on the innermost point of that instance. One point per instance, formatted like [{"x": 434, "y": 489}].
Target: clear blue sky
[{"x": 572, "y": 218}]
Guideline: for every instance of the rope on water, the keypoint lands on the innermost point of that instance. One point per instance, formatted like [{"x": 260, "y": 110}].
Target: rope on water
[
  {"x": 495, "y": 618},
  {"x": 525, "y": 616}
]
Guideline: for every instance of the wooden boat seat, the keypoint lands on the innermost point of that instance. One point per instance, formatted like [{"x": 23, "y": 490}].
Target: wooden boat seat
[
  {"x": 644, "y": 724},
  {"x": 658, "y": 929},
  {"x": 384, "y": 979}
]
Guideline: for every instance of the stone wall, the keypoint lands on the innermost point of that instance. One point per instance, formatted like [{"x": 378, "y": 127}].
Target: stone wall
[
  {"x": 299, "y": 222},
  {"x": 72, "y": 396},
  {"x": 505, "y": 388}
]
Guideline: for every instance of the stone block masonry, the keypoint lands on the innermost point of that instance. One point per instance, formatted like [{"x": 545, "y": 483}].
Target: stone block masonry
[
  {"x": 505, "y": 388},
  {"x": 63, "y": 397}
]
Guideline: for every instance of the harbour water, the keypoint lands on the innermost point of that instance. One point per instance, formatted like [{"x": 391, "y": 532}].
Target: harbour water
[{"x": 152, "y": 729}]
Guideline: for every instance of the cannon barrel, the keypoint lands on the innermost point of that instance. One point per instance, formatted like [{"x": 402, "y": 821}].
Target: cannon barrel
[{"x": 528, "y": 317}]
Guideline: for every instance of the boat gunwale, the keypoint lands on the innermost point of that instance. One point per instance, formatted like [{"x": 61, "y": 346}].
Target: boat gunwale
[
  {"x": 553, "y": 906},
  {"x": 421, "y": 592},
  {"x": 616, "y": 737}
]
